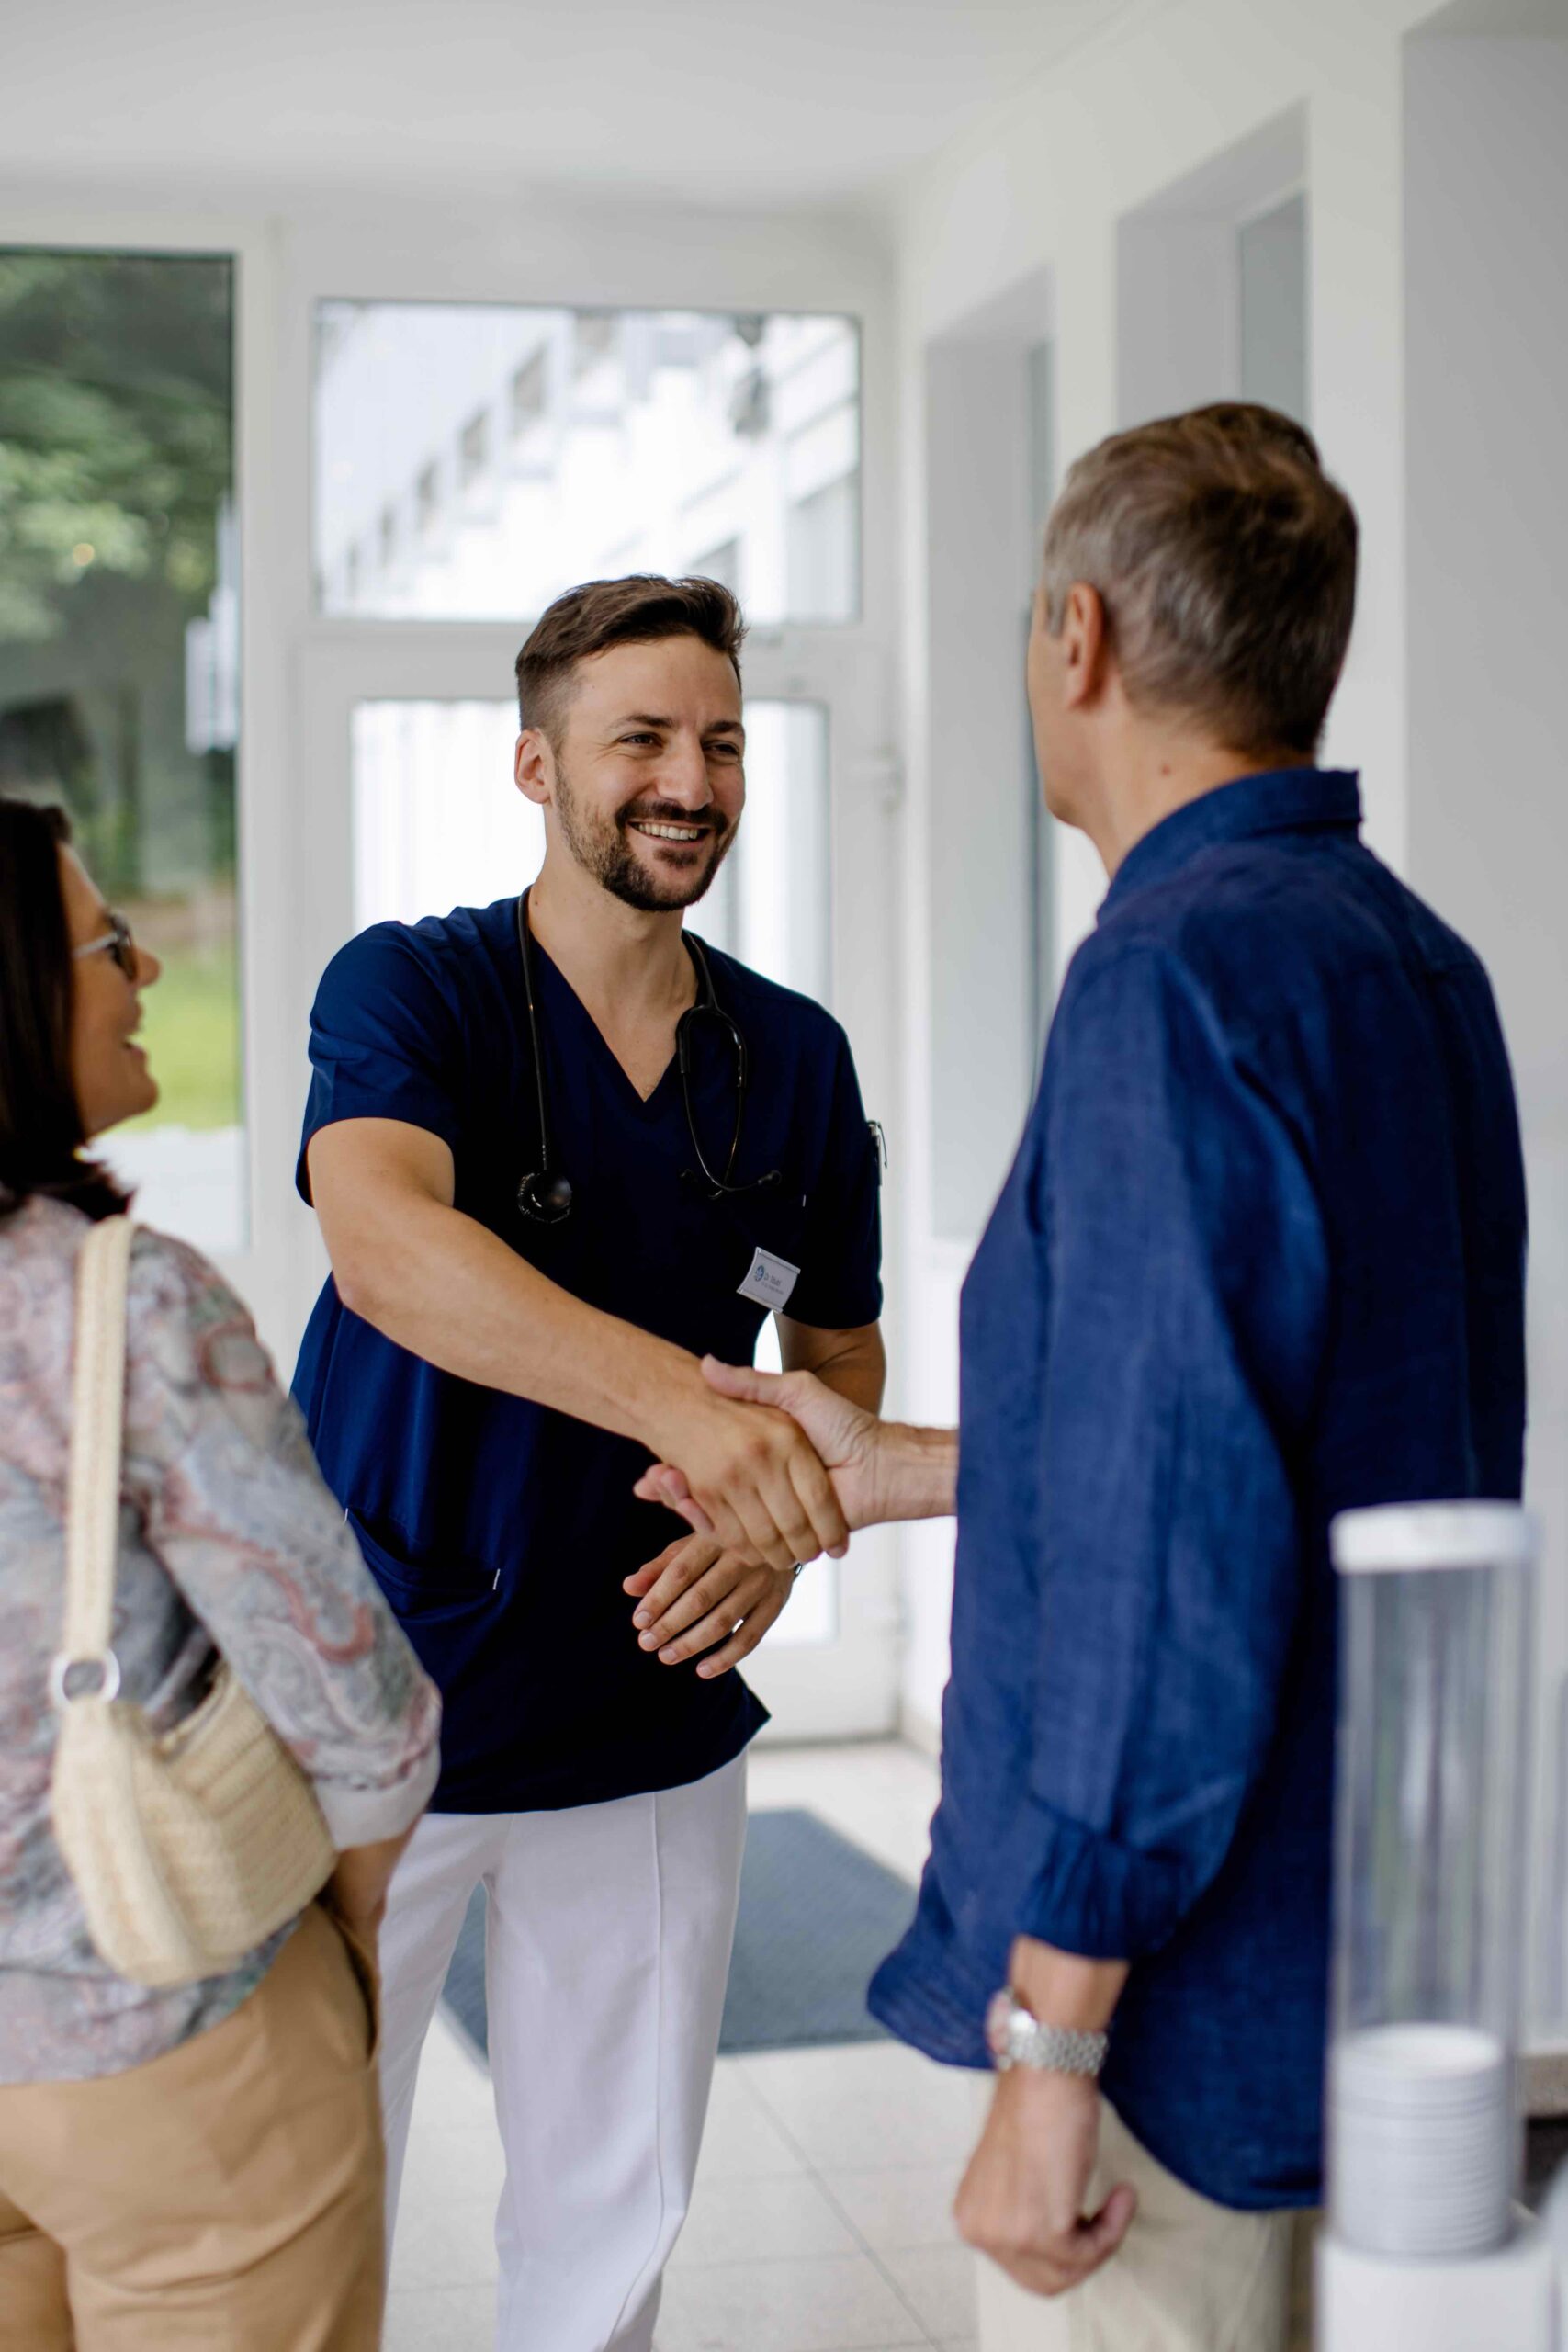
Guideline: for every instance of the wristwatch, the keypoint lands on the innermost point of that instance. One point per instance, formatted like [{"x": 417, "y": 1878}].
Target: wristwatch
[{"x": 1016, "y": 2038}]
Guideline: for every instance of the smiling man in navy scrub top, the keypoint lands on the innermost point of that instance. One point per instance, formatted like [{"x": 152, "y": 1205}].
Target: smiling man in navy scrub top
[{"x": 560, "y": 1151}]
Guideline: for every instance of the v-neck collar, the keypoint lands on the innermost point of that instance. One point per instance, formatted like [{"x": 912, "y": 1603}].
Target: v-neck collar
[{"x": 651, "y": 1104}]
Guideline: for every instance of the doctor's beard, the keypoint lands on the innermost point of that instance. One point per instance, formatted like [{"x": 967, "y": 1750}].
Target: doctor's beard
[{"x": 602, "y": 847}]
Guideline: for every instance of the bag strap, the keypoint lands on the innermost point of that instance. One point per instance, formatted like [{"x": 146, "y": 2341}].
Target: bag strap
[{"x": 97, "y": 1401}]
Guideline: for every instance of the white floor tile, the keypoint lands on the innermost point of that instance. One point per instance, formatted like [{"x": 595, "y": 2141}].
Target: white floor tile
[
  {"x": 873, "y": 2107},
  {"x": 762, "y": 2219},
  {"x": 454, "y": 2164},
  {"x": 939, "y": 2281},
  {"x": 832, "y": 2303},
  {"x": 744, "y": 2140},
  {"x": 911, "y": 2206},
  {"x": 441, "y": 2319},
  {"x": 454, "y": 2089},
  {"x": 449, "y": 2245}
]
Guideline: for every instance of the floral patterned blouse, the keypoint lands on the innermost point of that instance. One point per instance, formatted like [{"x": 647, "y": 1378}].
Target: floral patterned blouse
[{"x": 228, "y": 1534}]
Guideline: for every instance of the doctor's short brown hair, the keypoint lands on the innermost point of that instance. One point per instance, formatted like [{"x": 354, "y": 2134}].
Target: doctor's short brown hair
[
  {"x": 1225, "y": 560},
  {"x": 639, "y": 610}
]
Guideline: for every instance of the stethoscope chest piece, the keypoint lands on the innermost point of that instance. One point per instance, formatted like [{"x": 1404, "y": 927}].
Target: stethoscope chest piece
[{"x": 546, "y": 1197}]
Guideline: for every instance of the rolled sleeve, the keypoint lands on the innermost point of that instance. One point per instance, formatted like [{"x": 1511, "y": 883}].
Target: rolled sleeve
[
  {"x": 1187, "y": 1282},
  {"x": 361, "y": 1814},
  {"x": 386, "y": 1042},
  {"x": 236, "y": 1510}
]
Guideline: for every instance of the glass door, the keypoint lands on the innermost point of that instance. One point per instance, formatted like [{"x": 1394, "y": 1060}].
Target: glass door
[{"x": 469, "y": 461}]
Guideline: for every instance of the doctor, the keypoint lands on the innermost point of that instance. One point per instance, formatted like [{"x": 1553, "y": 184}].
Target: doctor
[{"x": 559, "y": 1151}]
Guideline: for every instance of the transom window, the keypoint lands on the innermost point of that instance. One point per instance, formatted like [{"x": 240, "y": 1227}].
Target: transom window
[{"x": 473, "y": 461}]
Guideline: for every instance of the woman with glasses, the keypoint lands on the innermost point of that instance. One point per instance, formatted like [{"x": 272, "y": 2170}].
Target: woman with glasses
[{"x": 202, "y": 2165}]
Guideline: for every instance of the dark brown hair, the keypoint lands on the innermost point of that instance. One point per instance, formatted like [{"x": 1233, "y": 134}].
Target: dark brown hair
[
  {"x": 635, "y": 611},
  {"x": 1225, "y": 558},
  {"x": 40, "y": 1121}
]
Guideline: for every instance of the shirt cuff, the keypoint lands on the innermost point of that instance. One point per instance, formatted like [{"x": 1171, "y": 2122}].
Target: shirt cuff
[
  {"x": 364, "y": 1816},
  {"x": 1080, "y": 1892}
]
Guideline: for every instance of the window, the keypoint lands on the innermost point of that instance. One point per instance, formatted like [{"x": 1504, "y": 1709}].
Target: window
[
  {"x": 634, "y": 436},
  {"x": 594, "y": 340},
  {"x": 772, "y": 904},
  {"x": 822, "y": 549},
  {"x": 474, "y": 452},
  {"x": 119, "y": 659},
  {"x": 721, "y": 563},
  {"x": 529, "y": 393},
  {"x": 427, "y": 499},
  {"x": 438, "y": 822}
]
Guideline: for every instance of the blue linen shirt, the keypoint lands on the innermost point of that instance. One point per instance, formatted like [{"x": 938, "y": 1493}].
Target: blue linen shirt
[
  {"x": 501, "y": 1530},
  {"x": 1261, "y": 1258}
]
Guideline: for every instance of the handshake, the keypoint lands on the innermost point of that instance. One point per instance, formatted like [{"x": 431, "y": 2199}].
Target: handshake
[{"x": 764, "y": 1488}]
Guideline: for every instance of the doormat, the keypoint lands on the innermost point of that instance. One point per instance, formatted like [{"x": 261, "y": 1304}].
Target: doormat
[{"x": 816, "y": 1918}]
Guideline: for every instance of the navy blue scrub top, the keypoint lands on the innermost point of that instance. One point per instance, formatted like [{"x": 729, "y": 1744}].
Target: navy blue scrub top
[{"x": 501, "y": 1530}]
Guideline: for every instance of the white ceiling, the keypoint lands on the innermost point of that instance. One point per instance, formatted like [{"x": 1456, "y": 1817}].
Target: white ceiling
[{"x": 767, "y": 101}]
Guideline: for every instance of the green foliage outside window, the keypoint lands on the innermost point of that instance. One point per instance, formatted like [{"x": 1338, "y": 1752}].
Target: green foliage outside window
[{"x": 116, "y": 494}]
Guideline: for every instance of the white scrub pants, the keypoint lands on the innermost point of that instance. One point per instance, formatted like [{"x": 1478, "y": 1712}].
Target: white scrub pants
[{"x": 606, "y": 1956}]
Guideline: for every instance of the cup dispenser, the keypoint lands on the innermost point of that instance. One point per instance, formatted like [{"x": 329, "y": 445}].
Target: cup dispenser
[{"x": 1425, "y": 2249}]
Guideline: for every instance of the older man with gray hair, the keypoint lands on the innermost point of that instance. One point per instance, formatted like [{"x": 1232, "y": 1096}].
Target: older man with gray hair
[{"x": 1259, "y": 1259}]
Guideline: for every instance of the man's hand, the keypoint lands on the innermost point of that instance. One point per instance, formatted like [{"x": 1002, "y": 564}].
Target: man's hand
[
  {"x": 1021, "y": 2201},
  {"x": 445, "y": 1287},
  {"x": 880, "y": 1470},
  {"x": 749, "y": 1474},
  {"x": 842, "y": 1436},
  {"x": 696, "y": 1594}
]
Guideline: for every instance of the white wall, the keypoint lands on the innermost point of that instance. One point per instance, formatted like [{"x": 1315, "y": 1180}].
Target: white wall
[
  {"x": 978, "y": 878},
  {"x": 1098, "y": 174},
  {"x": 1160, "y": 128},
  {"x": 1178, "y": 275},
  {"x": 1486, "y": 200},
  {"x": 1089, "y": 175}
]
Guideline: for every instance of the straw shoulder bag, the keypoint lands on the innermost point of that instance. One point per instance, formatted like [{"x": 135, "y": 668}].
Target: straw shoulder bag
[{"x": 188, "y": 1847}]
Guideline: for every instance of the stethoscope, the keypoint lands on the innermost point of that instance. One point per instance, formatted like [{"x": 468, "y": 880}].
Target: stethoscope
[{"x": 545, "y": 1194}]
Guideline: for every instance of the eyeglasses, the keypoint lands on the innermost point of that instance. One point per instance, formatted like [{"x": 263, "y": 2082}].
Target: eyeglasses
[{"x": 117, "y": 942}]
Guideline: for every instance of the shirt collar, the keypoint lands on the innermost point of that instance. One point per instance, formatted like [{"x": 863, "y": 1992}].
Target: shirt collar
[{"x": 1284, "y": 800}]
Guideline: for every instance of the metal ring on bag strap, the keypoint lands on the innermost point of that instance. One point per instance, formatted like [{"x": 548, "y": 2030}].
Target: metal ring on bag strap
[{"x": 61, "y": 1667}]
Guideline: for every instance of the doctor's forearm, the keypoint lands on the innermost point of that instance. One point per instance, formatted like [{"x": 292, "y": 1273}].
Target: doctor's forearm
[
  {"x": 441, "y": 1285},
  {"x": 852, "y": 1364},
  {"x": 445, "y": 1287}
]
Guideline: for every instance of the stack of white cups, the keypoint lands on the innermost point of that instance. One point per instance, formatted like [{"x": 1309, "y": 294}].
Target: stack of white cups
[{"x": 1423, "y": 2141}]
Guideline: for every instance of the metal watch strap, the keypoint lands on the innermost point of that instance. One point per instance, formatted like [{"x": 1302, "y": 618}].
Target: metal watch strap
[{"x": 1017, "y": 2037}]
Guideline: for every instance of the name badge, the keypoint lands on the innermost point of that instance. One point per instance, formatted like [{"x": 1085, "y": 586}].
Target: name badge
[{"x": 770, "y": 1282}]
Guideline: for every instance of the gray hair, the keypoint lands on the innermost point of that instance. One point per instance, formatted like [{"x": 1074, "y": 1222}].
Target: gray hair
[{"x": 1226, "y": 560}]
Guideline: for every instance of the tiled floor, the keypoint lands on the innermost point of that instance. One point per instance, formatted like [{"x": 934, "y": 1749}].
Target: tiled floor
[{"x": 820, "y": 2220}]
